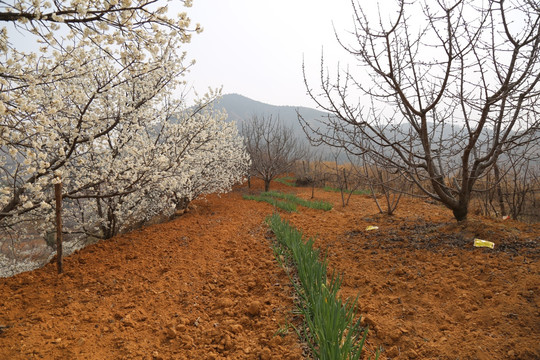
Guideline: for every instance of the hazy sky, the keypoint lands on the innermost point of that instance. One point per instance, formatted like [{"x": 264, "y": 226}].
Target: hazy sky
[{"x": 255, "y": 47}]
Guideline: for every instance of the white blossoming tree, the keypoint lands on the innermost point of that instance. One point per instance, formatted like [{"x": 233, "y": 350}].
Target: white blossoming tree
[
  {"x": 155, "y": 169},
  {"x": 96, "y": 108}
]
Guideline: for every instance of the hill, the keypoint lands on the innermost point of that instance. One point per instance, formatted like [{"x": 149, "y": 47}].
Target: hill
[{"x": 241, "y": 109}]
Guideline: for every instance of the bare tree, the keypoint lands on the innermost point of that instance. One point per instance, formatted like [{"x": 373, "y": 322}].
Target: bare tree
[
  {"x": 451, "y": 85},
  {"x": 309, "y": 171},
  {"x": 516, "y": 185},
  {"x": 380, "y": 181},
  {"x": 272, "y": 146},
  {"x": 344, "y": 177}
]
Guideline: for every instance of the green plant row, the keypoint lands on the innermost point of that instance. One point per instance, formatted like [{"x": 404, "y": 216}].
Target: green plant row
[
  {"x": 333, "y": 334},
  {"x": 286, "y": 180},
  {"x": 347, "y": 191},
  {"x": 283, "y": 205},
  {"x": 318, "y": 205}
]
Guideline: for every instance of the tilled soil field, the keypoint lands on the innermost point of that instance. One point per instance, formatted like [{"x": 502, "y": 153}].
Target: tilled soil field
[{"x": 206, "y": 286}]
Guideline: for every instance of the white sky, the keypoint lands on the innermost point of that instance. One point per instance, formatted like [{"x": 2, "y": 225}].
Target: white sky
[{"x": 255, "y": 47}]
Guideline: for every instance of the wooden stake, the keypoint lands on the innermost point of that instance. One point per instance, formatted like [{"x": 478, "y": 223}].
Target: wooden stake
[{"x": 58, "y": 198}]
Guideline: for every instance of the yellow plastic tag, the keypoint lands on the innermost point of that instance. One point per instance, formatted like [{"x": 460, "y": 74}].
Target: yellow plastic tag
[
  {"x": 371, "y": 227},
  {"x": 483, "y": 243}
]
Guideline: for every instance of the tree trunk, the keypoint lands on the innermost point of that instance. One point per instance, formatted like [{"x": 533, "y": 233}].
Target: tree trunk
[
  {"x": 266, "y": 184},
  {"x": 58, "y": 201},
  {"x": 461, "y": 211}
]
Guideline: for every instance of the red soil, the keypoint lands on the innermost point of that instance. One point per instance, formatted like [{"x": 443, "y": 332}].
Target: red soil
[{"x": 206, "y": 286}]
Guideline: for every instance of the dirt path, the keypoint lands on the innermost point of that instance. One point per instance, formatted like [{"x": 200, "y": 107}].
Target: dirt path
[{"x": 206, "y": 286}]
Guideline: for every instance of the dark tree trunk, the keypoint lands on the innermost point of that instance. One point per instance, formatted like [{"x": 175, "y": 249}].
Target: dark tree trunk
[
  {"x": 461, "y": 211},
  {"x": 58, "y": 202}
]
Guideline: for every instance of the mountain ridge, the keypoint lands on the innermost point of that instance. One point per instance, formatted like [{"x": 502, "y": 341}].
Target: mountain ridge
[{"x": 241, "y": 109}]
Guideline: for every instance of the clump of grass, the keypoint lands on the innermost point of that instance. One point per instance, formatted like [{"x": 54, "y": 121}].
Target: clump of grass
[
  {"x": 283, "y": 205},
  {"x": 286, "y": 180},
  {"x": 347, "y": 191},
  {"x": 333, "y": 332},
  {"x": 318, "y": 205},
  {"x": 290, "y": 201}
]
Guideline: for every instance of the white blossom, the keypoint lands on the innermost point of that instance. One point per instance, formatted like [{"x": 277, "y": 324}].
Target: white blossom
[
  {"x": 99, "y": 115},
  {"x": 28, "y": 204}
]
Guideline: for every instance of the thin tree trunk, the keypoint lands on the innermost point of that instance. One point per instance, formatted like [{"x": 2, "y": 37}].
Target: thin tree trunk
[
  {"x": 58, "y": 199},
  {"x": 499, "y": 190}
]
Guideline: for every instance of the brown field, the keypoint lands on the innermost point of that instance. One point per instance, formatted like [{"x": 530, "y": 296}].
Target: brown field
[{"x": 206, "y": 286}]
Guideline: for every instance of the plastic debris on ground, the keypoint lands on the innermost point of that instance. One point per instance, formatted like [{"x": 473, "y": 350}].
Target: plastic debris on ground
[{"x": 483, "y": 243}]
